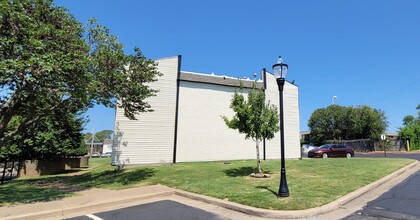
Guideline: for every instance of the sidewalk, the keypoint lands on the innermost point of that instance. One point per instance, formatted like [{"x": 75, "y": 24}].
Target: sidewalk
[{"x": 94, "y": 199}]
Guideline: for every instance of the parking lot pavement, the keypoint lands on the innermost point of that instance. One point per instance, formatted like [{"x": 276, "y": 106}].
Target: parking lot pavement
[
  {"x": 399, "y": 202},
  {"x": 415, "y": 156},
  {"x": 384, "y": 201},
  {"x": 169, "y": 207},
  {"x": 160, "y": 210}
]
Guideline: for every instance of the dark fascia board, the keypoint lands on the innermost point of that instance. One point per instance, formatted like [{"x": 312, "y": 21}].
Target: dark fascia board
[
  {"x": 218, "y": 80},
  {"x": 286, "y": 80}
]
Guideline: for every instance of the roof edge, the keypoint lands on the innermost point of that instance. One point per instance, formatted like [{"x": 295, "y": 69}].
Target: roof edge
[{"x": 219, "y": 80}]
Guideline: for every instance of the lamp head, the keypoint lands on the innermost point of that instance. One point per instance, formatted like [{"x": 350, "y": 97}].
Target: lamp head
[{"x": 280, "y": 69}]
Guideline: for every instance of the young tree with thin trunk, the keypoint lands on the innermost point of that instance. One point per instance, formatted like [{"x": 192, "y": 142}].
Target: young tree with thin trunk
[{"x": 253, "y": 117}]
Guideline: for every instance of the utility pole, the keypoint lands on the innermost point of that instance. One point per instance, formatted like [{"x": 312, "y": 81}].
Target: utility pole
[{"x": 91, "y": 145}]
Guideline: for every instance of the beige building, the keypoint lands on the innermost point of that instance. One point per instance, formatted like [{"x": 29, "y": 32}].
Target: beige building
[{"x": 186, "y": 123}]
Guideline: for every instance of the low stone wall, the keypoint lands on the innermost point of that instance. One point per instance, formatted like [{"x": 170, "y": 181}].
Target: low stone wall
[
  {"x": 366, "y": 145},
  {"x": 396, "y": 145},
  {"x": 363, "y": 145},
  {"x": 75, "y": 162},
  {"x": 47, "y": 167}
]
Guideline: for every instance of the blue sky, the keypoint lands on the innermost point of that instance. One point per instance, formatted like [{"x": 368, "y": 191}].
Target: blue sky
[{"x": 363, "y": 52}]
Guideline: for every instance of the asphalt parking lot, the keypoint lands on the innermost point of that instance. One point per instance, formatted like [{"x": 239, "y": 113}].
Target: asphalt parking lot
[
  {"x": 415, "y": 156},
  {"x": 400, "y": 202},
  {"x": 160, "y": 210}
]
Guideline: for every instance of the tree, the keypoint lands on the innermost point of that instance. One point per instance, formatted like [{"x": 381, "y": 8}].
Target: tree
[
  {"x": 104, "y": 134},
  {"x": 253, "y": 117},
  {"x": 345, "y": 123},
  {"x": 49, "y": 61},
  {"x": 369, "y": 123},
  {"x": 328, "y": 123},
  {"x": 99, "y": 136},
  {"x": 411, "y": 130},
  {"x": 408, "y": 120},
  {"x": 57, "y": 135}
]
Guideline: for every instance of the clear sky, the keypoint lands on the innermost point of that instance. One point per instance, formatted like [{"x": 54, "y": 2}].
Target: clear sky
[{"x": 363, "y": 52}]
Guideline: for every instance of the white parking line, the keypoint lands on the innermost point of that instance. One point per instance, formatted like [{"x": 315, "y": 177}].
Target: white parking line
[{"x": 93, "y": 217}]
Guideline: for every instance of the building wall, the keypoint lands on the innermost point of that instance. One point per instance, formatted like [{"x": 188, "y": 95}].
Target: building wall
[
  {"x": 150, "y": 139},
  {"x": 291, "y": 119},
  {"x": 202, "y": 133},
  {"x": 107, "y": 147}
]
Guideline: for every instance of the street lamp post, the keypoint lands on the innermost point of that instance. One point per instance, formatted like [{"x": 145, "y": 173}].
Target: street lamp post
[
  {"x": 332, "y": 99},
  {"x": 280, "y": 72}
]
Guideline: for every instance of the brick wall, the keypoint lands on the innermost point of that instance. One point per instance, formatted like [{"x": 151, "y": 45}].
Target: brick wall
[{"x": 47, "y": 167}]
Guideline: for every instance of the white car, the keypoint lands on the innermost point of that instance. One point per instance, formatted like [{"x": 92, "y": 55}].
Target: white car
[
  {"x": 107, "y": 154},
  {"x": 95, "y": 155},
  {"x": 306, "y": 148}
]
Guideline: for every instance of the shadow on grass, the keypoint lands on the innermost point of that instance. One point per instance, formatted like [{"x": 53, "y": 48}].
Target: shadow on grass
[
  {"x": 112, "y": 177},
  {"x": 73, "y": 171},
  {"x": 268, "y": 189},
  {"x": 18, "y": 191},
  {"x": 58, "y": 187},
  {"x": 241, "y": 171}
]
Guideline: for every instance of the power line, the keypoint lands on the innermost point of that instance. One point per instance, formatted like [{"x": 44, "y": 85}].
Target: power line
[{"x": 397, "y": 91}]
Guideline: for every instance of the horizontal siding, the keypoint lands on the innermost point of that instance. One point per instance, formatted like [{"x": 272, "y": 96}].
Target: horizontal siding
[
  {"x": 150, "y": 139},
  {"x": 202, "y": 133},
  {"x": 291, "y": 119}
]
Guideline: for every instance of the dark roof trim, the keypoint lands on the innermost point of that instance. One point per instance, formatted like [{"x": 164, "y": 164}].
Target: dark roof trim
[
  {"x": 286, "y": 80},
  {"x": 218, "y": 80}
]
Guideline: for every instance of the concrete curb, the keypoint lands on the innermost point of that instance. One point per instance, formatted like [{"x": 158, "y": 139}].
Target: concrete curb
[
  {"x": 89, "y": 207},
  {"x": 293, "y": 214}
]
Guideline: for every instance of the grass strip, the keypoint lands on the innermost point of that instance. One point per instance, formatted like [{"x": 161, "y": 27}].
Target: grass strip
[{"x": 312, "y": 183}]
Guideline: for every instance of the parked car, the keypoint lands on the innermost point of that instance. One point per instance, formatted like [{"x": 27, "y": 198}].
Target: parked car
[
  {"x": 96, "y": 155},
  {"x": 107, "y": 154},
  {"x": 306, "y": 148},
  {"x": 332, "y": 150}
]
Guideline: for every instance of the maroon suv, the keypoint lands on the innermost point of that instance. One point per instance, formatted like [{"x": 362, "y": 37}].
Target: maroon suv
[{"x": 331, "y": 150}]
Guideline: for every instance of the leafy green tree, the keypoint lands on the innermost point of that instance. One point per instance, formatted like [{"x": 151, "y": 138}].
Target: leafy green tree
[
  {"x": 88, "y": 138},
  {"x": 369, "y": 123},
  {"x": 328, "y": 123},
  {"x": 411, "y": 130},
  {"x": 104, "y": 134},
  {"x": 99, "y": 136},
  {"x": 49, "y": 61},
  {"x": 408, "y": 120},
  {"x": 54, "y": 136},
  {"x": 253, "y": 117},
  {"x": 346, "y": 123}
]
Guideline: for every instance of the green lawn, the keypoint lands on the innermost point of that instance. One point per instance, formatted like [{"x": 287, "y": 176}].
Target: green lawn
[{"x": 311, "y": 182}]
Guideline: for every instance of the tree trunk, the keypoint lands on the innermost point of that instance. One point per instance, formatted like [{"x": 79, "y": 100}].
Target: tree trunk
[
  {"x": 8, "y": 110},
  {"x": 4, "y": 171},
  {"x": 257, "y": 142}
]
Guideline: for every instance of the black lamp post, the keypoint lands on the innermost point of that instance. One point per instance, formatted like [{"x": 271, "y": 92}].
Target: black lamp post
[{"x": 280, "y": 72}]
